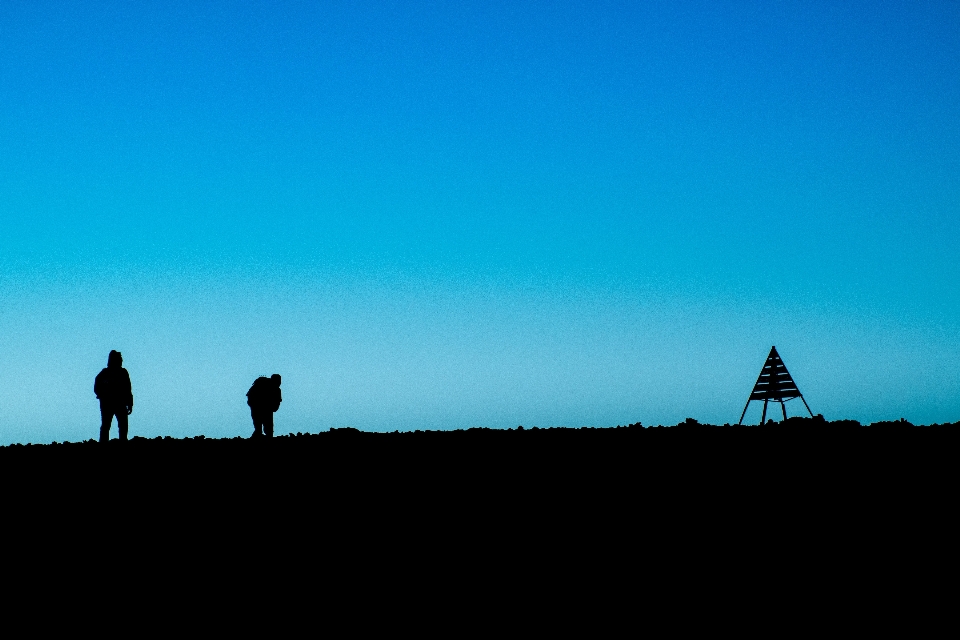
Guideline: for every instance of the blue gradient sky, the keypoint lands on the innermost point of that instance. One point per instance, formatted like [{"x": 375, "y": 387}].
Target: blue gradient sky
[{"x": 445, "y": 215}]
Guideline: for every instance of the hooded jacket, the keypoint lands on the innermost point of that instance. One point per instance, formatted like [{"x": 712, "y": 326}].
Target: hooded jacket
[{"x": 112, "y": 387}]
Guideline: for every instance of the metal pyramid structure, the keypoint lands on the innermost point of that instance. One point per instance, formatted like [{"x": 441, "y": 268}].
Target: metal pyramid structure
[{"x": 776, "y": 384}]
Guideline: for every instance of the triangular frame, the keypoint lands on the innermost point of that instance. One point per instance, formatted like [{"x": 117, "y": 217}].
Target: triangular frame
[{"x": 774, "y": 383}]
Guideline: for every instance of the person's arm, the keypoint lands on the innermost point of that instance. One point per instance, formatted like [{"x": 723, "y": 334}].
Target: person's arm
[{"x": 129, "y": 393}]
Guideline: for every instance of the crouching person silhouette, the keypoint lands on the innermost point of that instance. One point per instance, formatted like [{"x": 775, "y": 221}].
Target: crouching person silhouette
[
  {"x": 264, "y": 399},
  {"x": 112, "y": 387}
]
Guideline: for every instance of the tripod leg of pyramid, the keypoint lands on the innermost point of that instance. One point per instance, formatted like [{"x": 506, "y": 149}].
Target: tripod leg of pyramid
[
  {"x": 744, "y": 411},
  {"x": 763, "y": 418},
  {"x": 806, "y": 405},
  {"x": 783, "y": 408}
]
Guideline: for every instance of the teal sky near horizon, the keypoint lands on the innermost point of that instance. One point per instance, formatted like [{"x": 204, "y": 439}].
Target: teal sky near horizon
[{"x": 435, "y": 215}]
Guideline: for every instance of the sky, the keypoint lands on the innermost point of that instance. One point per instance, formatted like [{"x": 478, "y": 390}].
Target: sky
[{"x": 437, "y": 215}]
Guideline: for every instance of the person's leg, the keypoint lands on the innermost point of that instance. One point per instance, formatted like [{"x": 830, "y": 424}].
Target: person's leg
[
  {"x": 268, "y": 424},
  {"x": 257, "y": 423},
  {"x": 122, "y": 423},
  {"x": 106, "y": 417}
]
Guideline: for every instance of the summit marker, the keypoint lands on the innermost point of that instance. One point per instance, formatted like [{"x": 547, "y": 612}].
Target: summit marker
[{"x": 776, "y": 384}]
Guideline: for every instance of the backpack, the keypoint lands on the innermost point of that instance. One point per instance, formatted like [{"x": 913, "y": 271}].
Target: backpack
[{"x": 258, "y": 391}]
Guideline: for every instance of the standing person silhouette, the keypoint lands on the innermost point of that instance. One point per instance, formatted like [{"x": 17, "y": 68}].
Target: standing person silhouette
[
  {"x": 112, "y": 387},
  {"x": 264, "y": 399}
]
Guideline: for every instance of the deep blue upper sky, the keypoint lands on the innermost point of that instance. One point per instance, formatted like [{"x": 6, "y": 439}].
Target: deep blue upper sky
[{"x": 444, "y": 215}]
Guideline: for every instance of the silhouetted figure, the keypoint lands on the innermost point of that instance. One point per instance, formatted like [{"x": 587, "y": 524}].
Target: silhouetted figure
[
  {"x": 112, "y": 387},
  {"x": 264, "y": 399}
]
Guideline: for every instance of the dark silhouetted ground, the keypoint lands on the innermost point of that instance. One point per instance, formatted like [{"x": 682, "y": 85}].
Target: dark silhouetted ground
[
  {"x": 624, "y": 514},
  {"x": 632, "y": 461}
]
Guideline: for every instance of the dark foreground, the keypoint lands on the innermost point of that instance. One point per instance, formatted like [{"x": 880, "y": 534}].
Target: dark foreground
[
  {"x": 690, "y": 509},
  {"x": 631, "y": 460}
]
